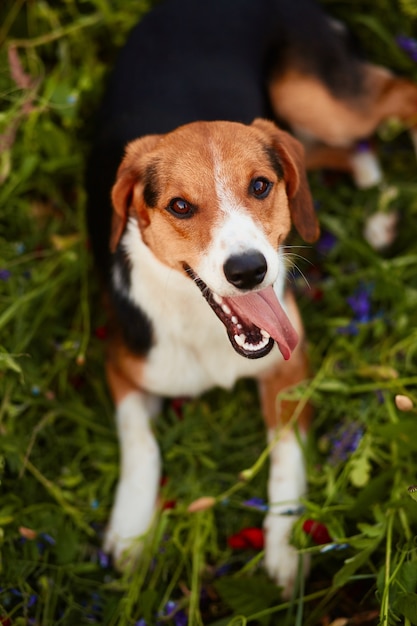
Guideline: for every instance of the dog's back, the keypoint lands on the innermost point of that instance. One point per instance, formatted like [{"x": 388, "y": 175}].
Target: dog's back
[{"x": 189, "y": 61}]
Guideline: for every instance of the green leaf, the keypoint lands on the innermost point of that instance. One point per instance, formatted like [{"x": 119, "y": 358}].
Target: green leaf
[
  {"x": 148, "y": 604},
  {"x": 407, "y": 605},
  {"x": 352, "y": 565},
  {"x": 7, "y": 362},
  {"x": 247, "y": 596}
]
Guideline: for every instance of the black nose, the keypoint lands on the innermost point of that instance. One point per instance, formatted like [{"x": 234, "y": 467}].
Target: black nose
[{"x": 247, "y": 270}]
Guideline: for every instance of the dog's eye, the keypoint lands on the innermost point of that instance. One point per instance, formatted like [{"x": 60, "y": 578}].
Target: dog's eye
[
  {"x": 260, "y": 187},
  {"x": 180, "y": 208}
]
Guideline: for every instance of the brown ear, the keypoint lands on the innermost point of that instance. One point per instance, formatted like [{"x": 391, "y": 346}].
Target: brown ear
[
  {"x": 291, "y": 154},
  {"x": 129, "y": 174}
]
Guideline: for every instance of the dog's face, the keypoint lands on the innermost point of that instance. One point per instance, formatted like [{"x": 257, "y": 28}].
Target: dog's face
[{"x": 215, "y": 200}]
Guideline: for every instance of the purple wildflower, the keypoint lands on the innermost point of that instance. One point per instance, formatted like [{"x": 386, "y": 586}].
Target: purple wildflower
[
  {"x": 326, "y": 242},
  {"x": 344, "y": 441},
  {"x": 141, "y": 622},
  {"x": 360, "y": 303},
  {"x": 179, "y": 616},
  {"x": 5, "y": 274},
  {"x": 103, "y": 559},
  {"x": 409, "y": 45},
  {"x": 256, "y": 503},
  {"x": 33, "y": 598}
]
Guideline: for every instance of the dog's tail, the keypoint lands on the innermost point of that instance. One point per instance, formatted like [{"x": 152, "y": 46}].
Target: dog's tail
[{"x": 308, "y": 40}]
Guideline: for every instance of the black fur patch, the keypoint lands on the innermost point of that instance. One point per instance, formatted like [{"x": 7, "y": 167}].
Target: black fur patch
[
  {"x": 151, "y": 188},
  {"x": 135, "y": 325},
  {"x": 275, "y": 161}
]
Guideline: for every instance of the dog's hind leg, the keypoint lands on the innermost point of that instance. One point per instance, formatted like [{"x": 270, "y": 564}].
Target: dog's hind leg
[
  {"x": 287, "y": 476},
  {"x": 137, "y": 490}
]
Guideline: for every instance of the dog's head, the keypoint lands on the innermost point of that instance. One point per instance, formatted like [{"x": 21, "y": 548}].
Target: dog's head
[{"x": 215, "y": 200}]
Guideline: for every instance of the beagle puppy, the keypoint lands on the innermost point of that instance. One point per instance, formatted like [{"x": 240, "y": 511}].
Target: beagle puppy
[{"x": 204, "y": 191}]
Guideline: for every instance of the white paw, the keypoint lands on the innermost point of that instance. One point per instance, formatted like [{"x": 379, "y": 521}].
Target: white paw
[
  {"x": 137, "y": 491},
  {"x": 286, "y": 486},
  {"x": 281, "y": 558},
  {"x": 130, "y": 520},
  {"x": 366, "y": 169}
]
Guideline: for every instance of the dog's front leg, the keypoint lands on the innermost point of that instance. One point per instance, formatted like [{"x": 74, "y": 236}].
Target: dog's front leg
[
  {"x": 287, "y": 477},
  {"x": 137, "y": 490}
]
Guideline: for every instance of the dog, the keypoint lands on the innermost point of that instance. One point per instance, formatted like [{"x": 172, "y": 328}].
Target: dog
[{"x": 204, "y": 191}]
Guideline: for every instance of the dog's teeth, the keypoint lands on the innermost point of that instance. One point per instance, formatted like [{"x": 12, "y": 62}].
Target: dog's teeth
[
  {"x": 226, "y": 309},
  {"x": 264, "y": 334},
  {"x": 240, "y": 340},
  {"x": 217, "y": 299},
  {"x": 239, "y": 326},
  {"x": 234, "y": 319}
]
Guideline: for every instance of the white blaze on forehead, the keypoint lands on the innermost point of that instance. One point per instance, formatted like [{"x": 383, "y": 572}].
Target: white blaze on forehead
[
  {"x": 227, "y": 201},
  {"x": 235, "y": 232}
]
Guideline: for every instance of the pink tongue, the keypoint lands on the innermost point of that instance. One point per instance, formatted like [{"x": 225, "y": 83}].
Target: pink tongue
[{"x": 263, "y": 309}]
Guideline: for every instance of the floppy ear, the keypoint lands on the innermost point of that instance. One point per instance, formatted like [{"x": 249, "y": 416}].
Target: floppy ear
[
  {"x": 129, "y": 174},
  {"x": 290, "y": 153}
]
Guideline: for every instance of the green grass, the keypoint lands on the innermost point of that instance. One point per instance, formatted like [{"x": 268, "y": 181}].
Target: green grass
[{"x": 58, "y": 449}]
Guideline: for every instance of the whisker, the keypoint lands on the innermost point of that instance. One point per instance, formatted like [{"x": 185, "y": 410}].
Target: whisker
[{"x": 292, "y": 266}]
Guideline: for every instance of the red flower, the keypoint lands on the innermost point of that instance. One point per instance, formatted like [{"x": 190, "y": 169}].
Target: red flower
[
  {"x": 317, "y": 531},
  {"x": 169, "y": 504},
  {"x": 247, "y": 538}
]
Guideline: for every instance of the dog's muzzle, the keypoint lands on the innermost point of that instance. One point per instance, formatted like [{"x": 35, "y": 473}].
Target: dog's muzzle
[{"x": 254, "y": 320}]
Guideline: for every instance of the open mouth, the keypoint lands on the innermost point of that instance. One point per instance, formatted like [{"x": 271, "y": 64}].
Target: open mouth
[{"x": 253, "y": 321}]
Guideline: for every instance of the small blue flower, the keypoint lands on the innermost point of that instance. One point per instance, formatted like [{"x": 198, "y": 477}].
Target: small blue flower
[
  {"x": 16, "y": 592},
  {"x": 256, "y": 503},
  {"x": 48, "y": 539}
]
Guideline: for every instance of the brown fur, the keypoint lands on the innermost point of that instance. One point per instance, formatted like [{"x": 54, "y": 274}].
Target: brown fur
[
  {"x": 309, "y": 108},
  {"x": 185, "y": 154}
]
